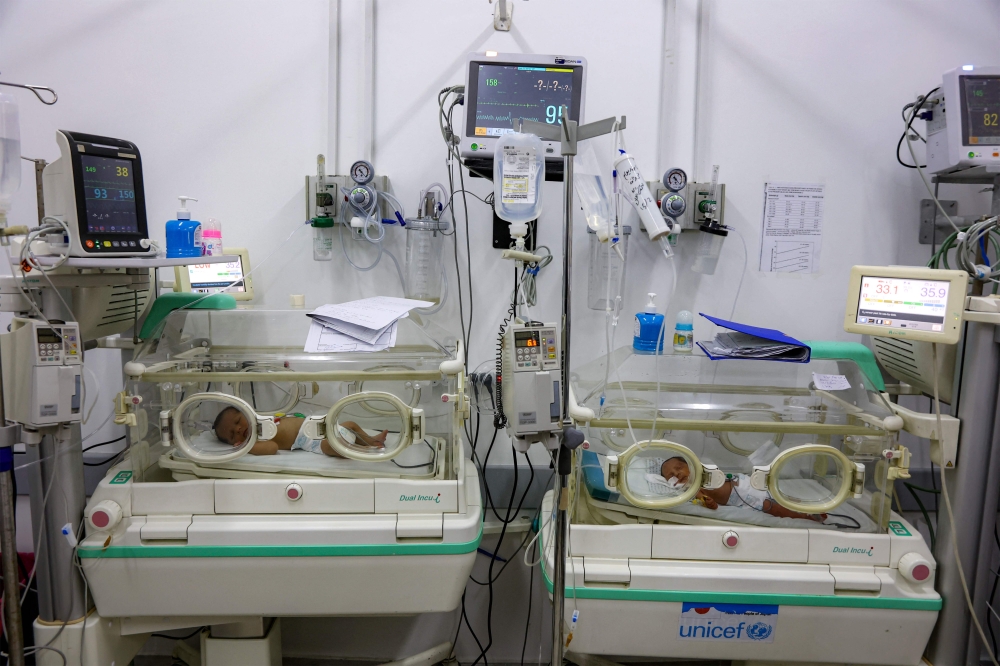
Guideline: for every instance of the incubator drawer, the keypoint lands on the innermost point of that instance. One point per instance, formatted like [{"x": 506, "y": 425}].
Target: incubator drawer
[
  {"x": 295, "y": 496},
  {"x": 610, "y": 540},
  {"x": 748, "y": 577},
  {"x": 752, "y": 544}
]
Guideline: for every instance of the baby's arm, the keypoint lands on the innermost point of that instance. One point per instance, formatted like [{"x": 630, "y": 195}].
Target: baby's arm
[
  {"x": 268, "y": 448},
  {"x": 775, "y": 509}
]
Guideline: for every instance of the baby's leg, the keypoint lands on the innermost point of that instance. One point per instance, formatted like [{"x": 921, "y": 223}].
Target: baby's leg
[
  {"x": 378, "y": 441},
  {"x": 328, "y": 450},
  {"x": 775, "y": 509}
]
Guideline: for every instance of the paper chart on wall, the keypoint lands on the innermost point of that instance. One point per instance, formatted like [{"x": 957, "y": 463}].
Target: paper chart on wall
[{"x": 791, "y": 231}]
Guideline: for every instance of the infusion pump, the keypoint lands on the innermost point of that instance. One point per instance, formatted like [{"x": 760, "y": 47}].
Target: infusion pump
[
  {"x": 42, "y": 366},
  {"x": 531, "y": 389},
  {"x": 963, "y": 121}
]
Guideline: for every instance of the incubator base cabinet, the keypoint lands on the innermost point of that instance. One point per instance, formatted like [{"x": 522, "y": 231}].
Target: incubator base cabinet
[
  {"x": 736, "y": 510},
  {"x": 263, "y": 481}
]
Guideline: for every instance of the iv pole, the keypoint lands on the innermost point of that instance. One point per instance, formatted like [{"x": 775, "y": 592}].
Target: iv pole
[
  {"x": 568, "y": 133},
  {"x": 10, "y": 435}
]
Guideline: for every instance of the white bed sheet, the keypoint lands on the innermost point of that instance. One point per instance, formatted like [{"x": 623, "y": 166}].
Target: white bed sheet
[{"x": 305, "y": 462}]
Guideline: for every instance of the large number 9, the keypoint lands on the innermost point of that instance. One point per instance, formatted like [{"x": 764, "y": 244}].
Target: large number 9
[{"x": 550, "y": 114}]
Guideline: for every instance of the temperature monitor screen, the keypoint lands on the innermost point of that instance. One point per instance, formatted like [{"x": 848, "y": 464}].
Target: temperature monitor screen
[
  {"x": 903, "y": 303},
  {"x": 109, "y": 195},
  {"x": 526, "y": 339},
  {"x": 980, "y": 110},
  {"x": 506, "y": 92},
  {"x": 213, "y": 278}
]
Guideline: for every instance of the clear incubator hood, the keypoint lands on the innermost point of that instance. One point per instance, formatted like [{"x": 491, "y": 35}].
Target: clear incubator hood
[
  {"x": 206, "y": 397},
  {"x": 683, "y": 438}
]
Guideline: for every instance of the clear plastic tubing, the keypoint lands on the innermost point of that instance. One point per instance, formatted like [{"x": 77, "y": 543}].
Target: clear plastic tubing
[
  {"x": 10, "y": 151},
  {"x": 424, "y": 245}
]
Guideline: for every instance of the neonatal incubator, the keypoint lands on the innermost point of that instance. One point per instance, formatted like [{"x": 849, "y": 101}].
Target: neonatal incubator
[
  {"x": 710, "y": 493},
  {"x": 373, "y": 510}
]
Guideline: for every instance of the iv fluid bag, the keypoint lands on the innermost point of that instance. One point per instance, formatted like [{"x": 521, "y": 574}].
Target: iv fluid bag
[
  {"x": 518, "y": 171},
  {"x": 593, "y": 190},
  {"x": 10, "y": 151}
]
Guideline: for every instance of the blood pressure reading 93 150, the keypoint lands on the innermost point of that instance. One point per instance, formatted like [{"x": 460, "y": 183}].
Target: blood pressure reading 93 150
[{"x": 109, "y": 194}]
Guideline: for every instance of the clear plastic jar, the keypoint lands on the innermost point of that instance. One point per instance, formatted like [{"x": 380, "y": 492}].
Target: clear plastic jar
[
  {"x": 322, "y": 238},
  {"x": 603, "y": 268},
  {"x": 709, "y": 248},
  {"x": 424, "y": 245}
]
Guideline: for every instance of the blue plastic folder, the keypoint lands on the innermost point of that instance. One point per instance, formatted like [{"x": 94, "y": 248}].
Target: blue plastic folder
[{"x": 799, "y": 352}]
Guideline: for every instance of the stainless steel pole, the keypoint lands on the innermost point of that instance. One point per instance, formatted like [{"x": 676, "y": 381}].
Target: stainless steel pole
[
  {"x": 967, "y": 485},
  {"x": 8, "y": 541}
]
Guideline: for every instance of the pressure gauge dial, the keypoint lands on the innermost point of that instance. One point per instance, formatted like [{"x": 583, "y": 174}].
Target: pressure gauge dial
[
  {"x": 675, "y": 180},
  {"x": 673, "y": 205},
  {"x": 362, "y": 172}
]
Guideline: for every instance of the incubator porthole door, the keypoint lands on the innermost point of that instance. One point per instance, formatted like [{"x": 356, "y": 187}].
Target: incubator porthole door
[
  {"x": 659, "y": 474},
  {"x": 746, "y": 443},
  {"x": 216, "y": 427},
  {"x": 372, "y": 426},
  {"x": 267, "y": 397},
  {"x": 812, "y": 478}
]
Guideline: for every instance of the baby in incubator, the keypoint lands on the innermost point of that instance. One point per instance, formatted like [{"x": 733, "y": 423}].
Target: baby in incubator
[
  {"x": 734, "y": 492},
  {"x": 231, "y": 427}
]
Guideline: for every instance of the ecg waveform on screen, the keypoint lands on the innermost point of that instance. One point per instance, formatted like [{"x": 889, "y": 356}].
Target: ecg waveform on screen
[{"x": 482, "y": 116}]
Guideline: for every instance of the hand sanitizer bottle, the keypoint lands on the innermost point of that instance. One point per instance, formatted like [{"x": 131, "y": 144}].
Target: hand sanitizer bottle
[
  {"x": 647, "y": 329},
  {"x": 183, "y": 234}
]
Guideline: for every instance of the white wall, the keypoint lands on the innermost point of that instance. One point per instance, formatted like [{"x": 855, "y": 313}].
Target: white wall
[{"x": 231, "y": 101}]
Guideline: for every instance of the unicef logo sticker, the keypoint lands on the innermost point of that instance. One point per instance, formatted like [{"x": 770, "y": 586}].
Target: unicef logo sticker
[{"x": 759, "y": 631}]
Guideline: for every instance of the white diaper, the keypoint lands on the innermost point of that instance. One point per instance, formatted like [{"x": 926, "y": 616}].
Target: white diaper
[{"x": 745, "y": 495}]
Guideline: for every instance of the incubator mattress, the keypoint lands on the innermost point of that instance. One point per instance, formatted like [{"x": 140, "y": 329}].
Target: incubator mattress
[
  {"x": 416, "y": 462},
  {"x": 843, "y": 517}
]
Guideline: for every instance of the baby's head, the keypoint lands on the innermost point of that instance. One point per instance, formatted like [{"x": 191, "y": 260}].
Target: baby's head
[
  {"x": 675, "y": 468},
  {"x": 231, "y": 426}
]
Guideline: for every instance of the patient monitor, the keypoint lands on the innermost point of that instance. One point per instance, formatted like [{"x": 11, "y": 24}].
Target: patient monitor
[
  {"x": 95, "y": 187},
  {"x": 217, "y": 278},
  {"x": 502, "y": 87},
  {"x": 910, "y": 302}
]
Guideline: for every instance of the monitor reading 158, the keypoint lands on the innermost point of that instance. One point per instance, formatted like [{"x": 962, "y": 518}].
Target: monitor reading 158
[
  {"x": 213, "y": 278},
  {"x": 109, "y": 193},
  {"x": 508, "y": 92},
  {"x": 901, "y": 303},
  {"x": 980, "y": 110}
]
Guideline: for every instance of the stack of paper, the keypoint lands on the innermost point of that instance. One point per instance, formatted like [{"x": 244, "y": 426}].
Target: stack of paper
[
  {"x": 731, "y": 344},
  {"x": 367, "y": 325}
]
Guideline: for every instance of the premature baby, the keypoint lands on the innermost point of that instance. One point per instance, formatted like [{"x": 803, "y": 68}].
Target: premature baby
[
  {"x": 734, "y": 492},
  {"x": 231, "y": 427}
]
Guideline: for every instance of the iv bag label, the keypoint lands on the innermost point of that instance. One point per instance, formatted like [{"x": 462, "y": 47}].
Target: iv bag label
[
  {"x": 730, "y": 623},
  {"x": 519, "y": 170}
]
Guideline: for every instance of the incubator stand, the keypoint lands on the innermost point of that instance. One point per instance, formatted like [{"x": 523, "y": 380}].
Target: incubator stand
[
  {"x": 711, "y": 493},
  {"x": 373, "y": 511}
]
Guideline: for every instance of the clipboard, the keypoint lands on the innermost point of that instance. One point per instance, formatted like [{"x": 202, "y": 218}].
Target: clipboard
[{"x": 800, "y": 352}]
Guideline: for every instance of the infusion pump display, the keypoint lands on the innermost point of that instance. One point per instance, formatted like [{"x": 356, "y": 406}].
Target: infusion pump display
[{"x": 901, "y": 303}]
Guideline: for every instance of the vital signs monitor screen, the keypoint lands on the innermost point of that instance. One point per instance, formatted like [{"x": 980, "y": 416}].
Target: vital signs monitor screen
[
  {"x": 109, "y": 193},
  {"x": 981, "y": 110},
  {"x": 903, "y": 303},
  {"x": 213, "y": 278},
  {"x": 506, "y": 92}
]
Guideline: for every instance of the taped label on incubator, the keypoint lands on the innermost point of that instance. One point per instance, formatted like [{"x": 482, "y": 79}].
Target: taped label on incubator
[
  {"x": 518, "y": 175},
  {"x": 738, "y": 623},
  {"x": 121, "y": 478}
]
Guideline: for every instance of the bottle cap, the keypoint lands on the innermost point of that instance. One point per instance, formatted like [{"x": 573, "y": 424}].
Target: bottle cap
[
  {"x": 651, "y": 305},
  {"x": 685, "y": 321},
  {"x": 184, "y": 213}
]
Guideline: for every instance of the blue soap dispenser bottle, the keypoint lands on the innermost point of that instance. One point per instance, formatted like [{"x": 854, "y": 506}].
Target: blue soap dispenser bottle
[
  {"x": 647, "y": 329},
  {"x": 183, "y": 234}
]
